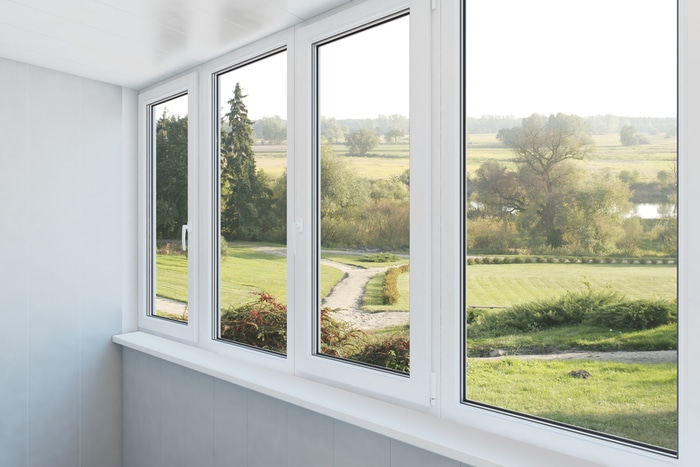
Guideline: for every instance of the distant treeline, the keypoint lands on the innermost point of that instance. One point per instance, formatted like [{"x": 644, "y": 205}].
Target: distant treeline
[
  {"x": 597, "y": 124},
  {"x": 274, "y": 129}
]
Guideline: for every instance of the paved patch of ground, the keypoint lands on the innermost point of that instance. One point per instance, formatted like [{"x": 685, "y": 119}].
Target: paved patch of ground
[
  {"x": 345, "y": 299},
  {"x": 658, "y": 356},
  {"x": 172, "y": 307}
]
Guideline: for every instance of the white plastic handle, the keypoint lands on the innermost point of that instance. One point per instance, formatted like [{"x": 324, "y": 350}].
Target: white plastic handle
[{"x": 185, "y": 229}]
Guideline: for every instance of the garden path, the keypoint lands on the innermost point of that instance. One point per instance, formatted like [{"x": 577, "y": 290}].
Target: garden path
[{"x": 345, "y": 299}]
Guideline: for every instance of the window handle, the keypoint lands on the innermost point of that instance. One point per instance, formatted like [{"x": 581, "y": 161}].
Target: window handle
[
  {"x": 185, "y": 229},
  {"x": 298, "y": 228}
]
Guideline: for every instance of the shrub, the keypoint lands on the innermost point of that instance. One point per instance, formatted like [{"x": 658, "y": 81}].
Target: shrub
[
  {"x": 636, "y": 315},
  {"x": 392, "y": 352},
  {"x": 380, "y": 258},
  {"x": 261, "y": 324},
  {"x": 339, "y": 338},
  {"x": 604, "y": 309},
  {"x": 390, "y": 291}
]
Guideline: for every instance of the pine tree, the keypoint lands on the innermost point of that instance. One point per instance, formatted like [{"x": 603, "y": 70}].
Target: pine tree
[
  {"x": 171, "y": 175},
  {"x": 241, "y": 190}
]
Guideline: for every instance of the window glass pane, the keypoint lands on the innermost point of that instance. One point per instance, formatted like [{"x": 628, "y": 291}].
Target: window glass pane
[
  {"x": 253, "y": 204},
  {"x": 171, "y": 263},
  {"x": 571, "y": 244},
  {"x": 363, "y": 165}
]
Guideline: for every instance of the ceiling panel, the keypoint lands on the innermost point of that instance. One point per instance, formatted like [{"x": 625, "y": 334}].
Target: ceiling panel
[{"x": 135, "y": 43}]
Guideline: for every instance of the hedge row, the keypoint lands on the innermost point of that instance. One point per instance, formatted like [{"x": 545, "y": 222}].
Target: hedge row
[
  {"x": 390, "y": 290},
  {"x": 605, "y": 309},
  {"x": 568, "y": 259}
]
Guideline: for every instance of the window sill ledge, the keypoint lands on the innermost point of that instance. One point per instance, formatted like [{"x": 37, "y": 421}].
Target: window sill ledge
[{"x": 419, "y": 429}]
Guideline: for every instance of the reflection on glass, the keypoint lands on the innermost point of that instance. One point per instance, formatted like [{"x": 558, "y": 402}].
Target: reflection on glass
[
  {"x": 363, "y": 165},
  {"x": 170, "y": 127},
  {"x": 571, "y": 245},
  {"x": 253, "y": 197}
]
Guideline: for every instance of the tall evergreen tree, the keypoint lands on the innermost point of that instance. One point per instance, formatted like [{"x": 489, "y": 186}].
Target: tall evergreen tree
[
  {"x": 241, "y": 190},
  {"x": 171, "y": 175}
]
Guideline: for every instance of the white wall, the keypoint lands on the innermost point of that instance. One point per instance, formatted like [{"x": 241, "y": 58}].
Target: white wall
[{"x": 62, "y": 221}]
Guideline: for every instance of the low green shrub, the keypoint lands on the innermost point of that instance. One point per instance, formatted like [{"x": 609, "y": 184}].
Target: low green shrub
[
  {"x": 392, "y": 352},
  {"x": 605, "y": 309},
  {"x": 380, "y": 258},
  {"x": 263, "y": 324},
  {"x": 636, "y": 315},
  {"x": 390, "y": 290}
]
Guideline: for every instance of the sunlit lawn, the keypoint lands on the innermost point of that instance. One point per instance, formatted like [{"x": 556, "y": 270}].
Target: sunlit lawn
[
  {"x": 244, "y": 272},
  {"x": 508, "y": 284},
  {"x": 632, "y": 401}
]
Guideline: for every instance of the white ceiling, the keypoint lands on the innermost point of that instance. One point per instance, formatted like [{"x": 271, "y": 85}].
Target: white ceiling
[{"x": 135, "y": 43}]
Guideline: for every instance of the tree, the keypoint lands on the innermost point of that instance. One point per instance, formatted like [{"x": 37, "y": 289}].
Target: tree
[
  {"x": 331, "y": 130},
  {"x": 171, "y": 175},
  {"x": 274, "y": 129},
  {"x": 542, "y": 145},
  {"x": 361, "y": 141},
  {"x": 393, "y": 134},
  {"x": 629, "y": 137},
  {"x": 242, "y": 192}
]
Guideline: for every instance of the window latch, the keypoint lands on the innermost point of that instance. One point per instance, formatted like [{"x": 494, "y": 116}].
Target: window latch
[
  {"x": 185, "y": 230},
  {"x": 298, "y": 228}
]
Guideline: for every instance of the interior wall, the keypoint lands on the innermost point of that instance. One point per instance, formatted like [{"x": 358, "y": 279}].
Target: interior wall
[
  {"x": 61, "y": 263},
  {"x": 174, "y": 416}
]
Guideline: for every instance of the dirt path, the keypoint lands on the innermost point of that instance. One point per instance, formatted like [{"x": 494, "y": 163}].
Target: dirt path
[
  {"x": 658, "y": 356},
  {"x": 346, "y": 299},
  {"x": 172, "y": 307}
]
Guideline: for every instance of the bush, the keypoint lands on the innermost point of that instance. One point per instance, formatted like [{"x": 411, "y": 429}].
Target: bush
[
  {"x": 392, "y": 352},
  {"x": 390, "y": 291},
  {"x": 380, "y": 258},
  {"x": 261, "y": 324},
  {"x": 602, "y": 309},
  {"x": 339, "y": 338},
  {"x": 636, "y": 315}
]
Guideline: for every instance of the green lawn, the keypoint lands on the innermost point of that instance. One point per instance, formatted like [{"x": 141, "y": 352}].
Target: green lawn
[
  {"x": 504, "y": 285},
  {"x": 244, "y": 272},
  {"x": 632, "y": 401}
]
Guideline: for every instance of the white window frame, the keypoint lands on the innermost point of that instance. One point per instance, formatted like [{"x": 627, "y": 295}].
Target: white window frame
[
  {"x": 187, "y": 84},
  {"x": 536, "y": 435},
  {"x": 209, "y": 201},
  {"x": 415, "y": 387},
  {"x": 470, "y": 434}
]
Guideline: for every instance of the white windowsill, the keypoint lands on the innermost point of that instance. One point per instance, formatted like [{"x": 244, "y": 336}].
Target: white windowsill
[{"x": 419, "y": 429}]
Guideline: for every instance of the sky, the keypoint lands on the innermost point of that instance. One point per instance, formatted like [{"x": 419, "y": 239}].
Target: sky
[
  {"x": 550, "y": 56},
  {"x": 543, "y": 56}
]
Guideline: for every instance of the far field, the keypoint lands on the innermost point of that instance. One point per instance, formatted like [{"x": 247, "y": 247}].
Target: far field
[
  {"x": 608, "y": 154},
  {"x": 388, "y": 160}
]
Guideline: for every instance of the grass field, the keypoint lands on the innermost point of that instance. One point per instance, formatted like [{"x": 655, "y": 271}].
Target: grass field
[
  {"x": 244, "y": 272},
  {"x": 628, "y": 400},
  {"x": 503, "y": 285},
  {"x": 608, "y": 154}
]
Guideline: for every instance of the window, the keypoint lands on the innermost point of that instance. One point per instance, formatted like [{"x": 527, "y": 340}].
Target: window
[
  {"x": 252, "y": 160},
  {"x": 571, "y": 216},
  {"x": 169, "y": 127},
  {"x": 478, "y": 215},
  {"x": 168, "y": 138},
  {"x": 363, "y": 195}
]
